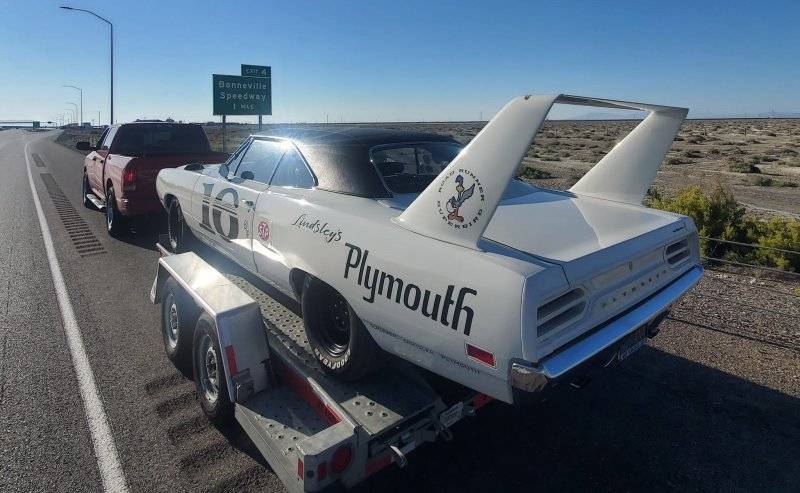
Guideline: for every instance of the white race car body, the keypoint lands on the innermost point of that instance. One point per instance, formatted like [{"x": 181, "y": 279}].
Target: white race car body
[{"x": 480, "y": 278}]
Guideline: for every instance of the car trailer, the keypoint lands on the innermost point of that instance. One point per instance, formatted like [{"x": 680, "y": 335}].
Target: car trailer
[{"x": 314, "y": 430}]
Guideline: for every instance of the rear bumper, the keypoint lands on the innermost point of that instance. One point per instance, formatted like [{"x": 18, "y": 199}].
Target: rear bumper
[{"x": 603, "y": 341}]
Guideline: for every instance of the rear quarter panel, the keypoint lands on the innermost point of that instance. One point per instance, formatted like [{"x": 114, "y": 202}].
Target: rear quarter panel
[{"x": 368, "y": 246}]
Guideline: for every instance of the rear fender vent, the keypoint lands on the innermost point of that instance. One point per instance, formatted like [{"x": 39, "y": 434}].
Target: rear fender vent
[
  {"x": 560, "y": 312},
  {"x": 677, "y": 252}
]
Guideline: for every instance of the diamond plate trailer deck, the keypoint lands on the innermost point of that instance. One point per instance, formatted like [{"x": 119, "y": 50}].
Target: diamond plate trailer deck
[{"x": 312, "y": 429}]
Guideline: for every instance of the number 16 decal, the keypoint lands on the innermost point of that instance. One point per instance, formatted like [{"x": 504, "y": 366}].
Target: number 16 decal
[{"x": 213, "y": 209}]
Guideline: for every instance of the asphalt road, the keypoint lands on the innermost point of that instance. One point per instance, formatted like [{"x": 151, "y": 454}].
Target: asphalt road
[{"x": 668, "y": 419}]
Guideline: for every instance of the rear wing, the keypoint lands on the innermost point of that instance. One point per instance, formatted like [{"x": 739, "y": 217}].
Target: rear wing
[{"x": 458, "y": 205}]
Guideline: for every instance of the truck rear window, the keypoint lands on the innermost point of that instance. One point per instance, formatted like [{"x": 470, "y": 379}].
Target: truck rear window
[{"x": 153, "y": 139}]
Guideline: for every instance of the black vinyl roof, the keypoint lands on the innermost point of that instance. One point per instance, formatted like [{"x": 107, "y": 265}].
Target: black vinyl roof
[{"x": 340, "y": 157}]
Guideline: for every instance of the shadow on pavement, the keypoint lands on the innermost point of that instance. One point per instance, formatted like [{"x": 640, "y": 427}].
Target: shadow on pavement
[{"x": 658, "y": 422}]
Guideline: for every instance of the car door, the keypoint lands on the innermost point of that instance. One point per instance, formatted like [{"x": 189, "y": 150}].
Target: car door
[
  {"x": 277, "y": 210},
  {"x": 227, "y": 202},
  {"x": 97, "y": 161}
]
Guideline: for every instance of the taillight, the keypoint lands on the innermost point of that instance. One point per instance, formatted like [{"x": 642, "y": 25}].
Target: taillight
[
  {"x": 341, "y": 458},
  {"x": 129, "y": 179},
  {"x": 480, "y": 354}
]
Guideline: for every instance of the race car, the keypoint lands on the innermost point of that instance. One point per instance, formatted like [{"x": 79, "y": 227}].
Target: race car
[{"x": 412, "y": 244}]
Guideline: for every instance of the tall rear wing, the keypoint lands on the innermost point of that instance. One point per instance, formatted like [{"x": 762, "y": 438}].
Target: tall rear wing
[{"x": 458, "y": 205}]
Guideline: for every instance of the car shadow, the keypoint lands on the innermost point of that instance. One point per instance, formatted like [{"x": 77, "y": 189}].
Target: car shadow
[
  {"x": 657, "y": 422},
  {"x": 143, "y": 231}
]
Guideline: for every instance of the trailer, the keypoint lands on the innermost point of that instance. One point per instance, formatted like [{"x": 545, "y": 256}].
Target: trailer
[{"x": 313, "y": 430}]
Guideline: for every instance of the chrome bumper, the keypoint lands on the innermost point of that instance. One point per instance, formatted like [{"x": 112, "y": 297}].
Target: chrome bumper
[{"x": 533, "y": 376}]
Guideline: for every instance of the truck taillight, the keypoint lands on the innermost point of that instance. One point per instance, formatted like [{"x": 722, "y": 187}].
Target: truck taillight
[{"x": 129, "y": 179}]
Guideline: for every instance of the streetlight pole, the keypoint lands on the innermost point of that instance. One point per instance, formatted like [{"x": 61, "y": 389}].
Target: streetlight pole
[
  {"x": 111, "y": 118},
  {"x": 80, "y": 91},
  {"x": 76, "y": 111},
  {"x": 71, "y": 115}
]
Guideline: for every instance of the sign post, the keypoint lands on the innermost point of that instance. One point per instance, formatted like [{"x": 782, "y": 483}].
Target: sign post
[{"x": 246, "y": 94}]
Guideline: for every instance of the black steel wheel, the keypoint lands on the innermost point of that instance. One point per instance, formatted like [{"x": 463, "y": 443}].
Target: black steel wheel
[
  {"x": 340, "y": 341},
  {"x": 209, "y": 374}
]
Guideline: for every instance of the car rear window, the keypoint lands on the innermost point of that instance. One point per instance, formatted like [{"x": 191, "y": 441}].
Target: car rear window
[
  {"x": 409, "y": 168},
  {"x": 153, "y": 139}
]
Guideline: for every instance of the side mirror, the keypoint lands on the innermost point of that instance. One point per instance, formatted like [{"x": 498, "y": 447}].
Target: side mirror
[
  {"x": 84, "y": 145},
  {"x": 223, "y": 170}
]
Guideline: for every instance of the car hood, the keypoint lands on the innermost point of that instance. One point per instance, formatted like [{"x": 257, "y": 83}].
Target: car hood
[{"x": 579, "y": 232}]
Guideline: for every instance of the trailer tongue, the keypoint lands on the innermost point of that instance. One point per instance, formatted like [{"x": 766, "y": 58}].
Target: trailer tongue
[{"x": 313, "y": 430}]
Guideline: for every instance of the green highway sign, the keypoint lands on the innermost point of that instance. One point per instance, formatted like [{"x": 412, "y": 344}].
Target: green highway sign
[
  {"x": 256, "y": 71},
  {"x": 239, "y": 95}
]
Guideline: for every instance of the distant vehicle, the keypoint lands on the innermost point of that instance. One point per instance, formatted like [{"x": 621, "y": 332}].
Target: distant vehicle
[
  {"x": 408, "y": 243},
  {"x": 120, "y": 171}
]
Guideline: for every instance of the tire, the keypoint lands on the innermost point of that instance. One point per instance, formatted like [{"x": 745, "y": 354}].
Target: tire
[
  {"x": 209, "y": 376},
  {"x": 115, "y": 222},
  {"x": 177, "y": 232},
  {"x": 338, "y": 338},
  {"x": 178, "y": 318},
  {"x": 86, "y": 189}
]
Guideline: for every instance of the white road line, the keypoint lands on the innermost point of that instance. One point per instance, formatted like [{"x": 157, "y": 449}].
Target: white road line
[{"x": 103, "y": 440}]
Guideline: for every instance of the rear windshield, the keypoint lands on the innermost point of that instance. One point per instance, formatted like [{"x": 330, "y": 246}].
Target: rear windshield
[
  {"x": 155, "y": 139},
  {"x": 409, "y": 168}
]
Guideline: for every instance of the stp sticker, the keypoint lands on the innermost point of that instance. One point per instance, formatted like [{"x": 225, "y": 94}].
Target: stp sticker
[{"x": 263, "y": 230}]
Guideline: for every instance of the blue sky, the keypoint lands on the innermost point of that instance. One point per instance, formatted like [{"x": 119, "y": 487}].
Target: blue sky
[{"x": 399, "y": 60}]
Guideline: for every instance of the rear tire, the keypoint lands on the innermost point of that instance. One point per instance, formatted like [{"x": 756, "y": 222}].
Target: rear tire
[
  {"x": 209, "y": 375},
  {"x": 178, "y": 234},
  {"x": 115, "y": 222},
  {"x": 340, "y": 341},
  {"x": 178, "y": 318},
  {"x": 86, "y": 189}
]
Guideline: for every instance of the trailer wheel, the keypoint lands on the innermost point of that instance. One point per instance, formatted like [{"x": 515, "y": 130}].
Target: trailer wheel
[
  {"x": 178, "y": 319},
  {"x": 177, "y": 232},
  {"x": 338, "y": 338},
  {"x": 209, "y": 374}
]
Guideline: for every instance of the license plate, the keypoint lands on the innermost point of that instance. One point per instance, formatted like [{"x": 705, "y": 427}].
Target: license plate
[
  {"x": 450, "y": 416},
  {"x": 632, "y": 343}
]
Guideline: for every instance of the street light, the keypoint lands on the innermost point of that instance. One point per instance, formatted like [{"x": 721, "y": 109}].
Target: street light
[
  {"x": 76, "y": 111},
  {"x": 70, "y": 115},
  {"x": 80, "y": 91},
  {"x": 112, "y": 53}
]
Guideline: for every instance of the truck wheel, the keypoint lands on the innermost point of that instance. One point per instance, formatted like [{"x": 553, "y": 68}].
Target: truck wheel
[
  {"x": 338, "y": 338},
  {"x": 178, "y": 318},
  {"x": 209, "y": 375},
  {"x": 114, "y": 220},
  {"x": 177, "y": 232},
  {"x": 86, "y": 190}
]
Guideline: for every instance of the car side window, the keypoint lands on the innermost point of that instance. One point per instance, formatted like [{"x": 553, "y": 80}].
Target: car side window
[
  {"x": 102, "y": 138},
  {"x": 106, "y": 144},
  {"x": 292, "y": 171},
  {"x": 259, "y": 161},
  {"x": 233, "y": 159}
]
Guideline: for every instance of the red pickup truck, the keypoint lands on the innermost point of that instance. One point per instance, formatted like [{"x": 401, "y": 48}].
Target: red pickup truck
[{"x": 119, "y": 174}]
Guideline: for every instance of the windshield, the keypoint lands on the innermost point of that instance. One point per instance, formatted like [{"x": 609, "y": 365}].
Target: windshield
[
  {"x": 160, "y": 139},
  {"x": 409, "y": 168}
]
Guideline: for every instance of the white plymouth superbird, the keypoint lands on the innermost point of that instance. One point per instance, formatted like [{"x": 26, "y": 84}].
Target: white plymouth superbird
[{"x": 411, "y": 244}]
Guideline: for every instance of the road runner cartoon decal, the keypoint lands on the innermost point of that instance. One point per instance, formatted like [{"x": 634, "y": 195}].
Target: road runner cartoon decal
[
  {"x": 458, "y": 205},
  {"x": 432, "y": 305}
]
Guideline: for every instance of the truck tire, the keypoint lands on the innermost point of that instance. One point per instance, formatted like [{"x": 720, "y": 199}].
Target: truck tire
[
  {"x": 115, "y": 222},
  {"x": 86, "y": 190},
  {"x": 177, "y": 232},
  {"x": 209, "y": 374},
  {"x": 338, "y": 338},
  {"x": 178, "y": 318}
]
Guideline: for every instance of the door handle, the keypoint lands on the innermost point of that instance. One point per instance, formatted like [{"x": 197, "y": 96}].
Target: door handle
[
  {"x": 94, "y": 158},
  {"x": 249, "y": 203}
]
